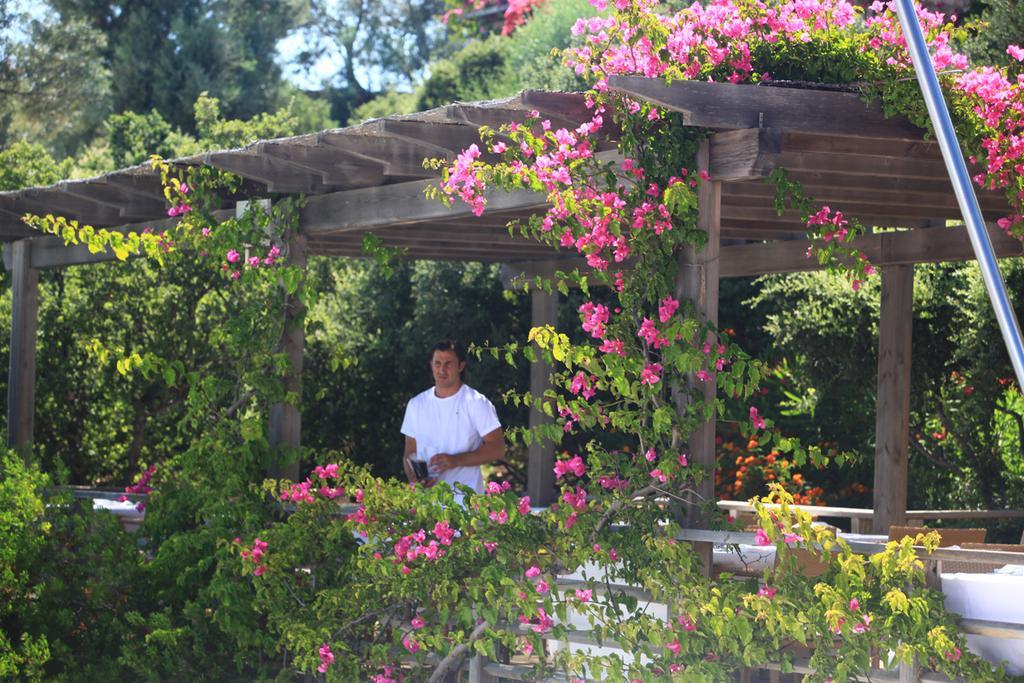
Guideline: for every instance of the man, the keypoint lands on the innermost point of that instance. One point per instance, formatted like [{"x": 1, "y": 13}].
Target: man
[{"x": 451, "y": 426}]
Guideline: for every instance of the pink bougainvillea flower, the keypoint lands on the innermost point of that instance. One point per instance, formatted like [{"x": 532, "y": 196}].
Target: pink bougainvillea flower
[
  {"x": 674, "y": 647},
  {"x": 523, "y": 506},
  {"x": 683, "y": 462},
  {"x": 233, "y": 256},
  {"x": 573, "y": 465},
  {"x": 411, "y": 645},
  {"x": 767, "y": 591},
  {"x": 584, "y": 595},
  {"x": 417, "y": 623},
  {"x": 953, "y": 655},
  {"x": 854, "y": 604},
  {"x": 1016, "y": 51},
  {"x": 326, "y": 658},
  {"x": 688, "y": 624},
  {"x": 756, "y": 419},
  {"x": 532, "y": 572},
  {"x": 761, "y": 537},
  {"x": 651, "y": 374},
  {"x": 500, "y": 517},
  {"x": 792, "y": 538},
  {"x": 667, "y": 309},
  {"x": 544, "y": 622},
  {"x": 542, "y": 587},
  {"x": 490, "y": 546}
]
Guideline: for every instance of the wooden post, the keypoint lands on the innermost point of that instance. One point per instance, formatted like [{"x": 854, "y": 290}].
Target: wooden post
[
  {"x": 892, "y": 419},
  {"x": 540, "y": 474},
  {"x": 697, "y": 281},
  {"x": 21, "y": 380},
  {"x": 285, "y": 429},
  {"x": 477, "y": 673}
]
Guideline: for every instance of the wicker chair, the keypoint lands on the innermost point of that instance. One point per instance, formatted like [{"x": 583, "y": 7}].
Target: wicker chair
[
  {"x": 948, "y": 537},
  {"x": 967, "y": 566}
]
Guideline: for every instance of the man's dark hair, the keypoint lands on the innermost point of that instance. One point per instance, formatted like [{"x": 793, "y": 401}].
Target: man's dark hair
[{"x": 450, "y": 345}]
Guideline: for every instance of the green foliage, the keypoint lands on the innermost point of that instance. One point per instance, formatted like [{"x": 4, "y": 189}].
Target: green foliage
[
  {"x": 468, "y": 75},
  {"x": 57, "y": 60},
  {"x": 26, "y": 164},
  {"x": 134, "y": 137},
  {"x": 162, "y": 56},
  {"x": 385, "y": 104},
  {"x": 70, "y": 578},
  {"x": 964, "y": 417},
  {"x": 999, "y": 24}
]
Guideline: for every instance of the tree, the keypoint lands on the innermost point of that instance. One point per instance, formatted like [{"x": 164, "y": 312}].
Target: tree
[
  {"x": 55, "y": 88},
  {"x": 163, "y": 55},
  {"x": 377, "y": 46}
]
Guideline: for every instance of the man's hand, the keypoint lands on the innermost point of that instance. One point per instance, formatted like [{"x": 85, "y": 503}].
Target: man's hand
[{"x": 442, "y": 462}]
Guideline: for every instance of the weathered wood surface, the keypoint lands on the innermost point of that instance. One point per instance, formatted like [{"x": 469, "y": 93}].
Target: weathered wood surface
[
  {"x": 697, "y": 283},
  {"x": 541, "y": 454},
  {"x": 729, "y": 106},
  {"x": 744, "y": 154},
  {"x": 285, "y": 420},
  {"x": 388, "y": 205},
  {"x": 892, "y": 420},
  {"x": 931, "y": 245},
  {"x": 21, "y": 377}
]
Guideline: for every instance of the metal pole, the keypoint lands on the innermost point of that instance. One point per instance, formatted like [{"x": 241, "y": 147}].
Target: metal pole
[{"x": 965, "y": 197}]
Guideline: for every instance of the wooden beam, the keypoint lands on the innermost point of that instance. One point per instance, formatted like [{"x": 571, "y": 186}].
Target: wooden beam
[
  {"x": 744, "y": 154},
  {"x": 697, "y": 282},
  {"x": 21, "y": 377},
  {"x": 285, "y": 426},
  {"x": 375, "y": 207},
  {"x": 927, "y": 245},
  {"x": 332, "y": 167},
  {"x": 541, "y": 454},
  {"x": 730, "y": 106},
  {"x": 735, "y": 213},
  {"x": 892, "y": 420},
  {"x": 277, "y": 175},
  {"x": 128, "y": 205},
  {"x": 855, "y": 164},
  {"x": 401, "y": 157},
  {"x": 442, "y": 251},
  {"x": 837, "y": 195},
  {"x": 448, "y": 138},
  {"x": 43, "y": 202}
]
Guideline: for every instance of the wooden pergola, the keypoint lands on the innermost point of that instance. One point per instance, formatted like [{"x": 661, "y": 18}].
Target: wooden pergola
[{"x": 370, "y": 179}]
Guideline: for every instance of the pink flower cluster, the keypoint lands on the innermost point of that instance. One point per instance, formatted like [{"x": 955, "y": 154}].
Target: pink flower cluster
[
  {"x": 235, "y": 261},
  {"x": 583, "y": 384},
  {"x": 179, "y": 209},
  {"x": 326, "y": 658},
  {"x": 541, "y": 623},
  {"x": 415, "y": 545},
  {"x": 140, "y": 486},
  {"x": 303, "y": 492},
  {"x": 573, "y": 465},
  {"x": 255, "y": 554}
]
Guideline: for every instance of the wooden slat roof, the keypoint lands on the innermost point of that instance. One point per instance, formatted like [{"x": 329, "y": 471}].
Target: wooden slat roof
[{"x": 370, "y": 177}]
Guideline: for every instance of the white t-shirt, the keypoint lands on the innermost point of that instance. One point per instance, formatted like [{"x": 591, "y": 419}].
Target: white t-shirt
[{"x": 453, "y": 425}]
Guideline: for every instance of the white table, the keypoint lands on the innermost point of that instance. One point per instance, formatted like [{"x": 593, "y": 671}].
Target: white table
[{"x": 994, "y": 597}]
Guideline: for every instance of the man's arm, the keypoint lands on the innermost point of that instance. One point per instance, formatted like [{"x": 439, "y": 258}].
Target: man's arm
[
  {"x": 410, "y": 450},
  {"x": 492, "y": 448}
]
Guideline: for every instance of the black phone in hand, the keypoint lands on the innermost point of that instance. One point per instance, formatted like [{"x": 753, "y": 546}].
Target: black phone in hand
[{"x": 419, "y": 468}]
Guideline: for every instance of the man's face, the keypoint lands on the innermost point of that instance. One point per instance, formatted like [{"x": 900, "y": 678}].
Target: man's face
[{"x": 446, "y": 368}]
